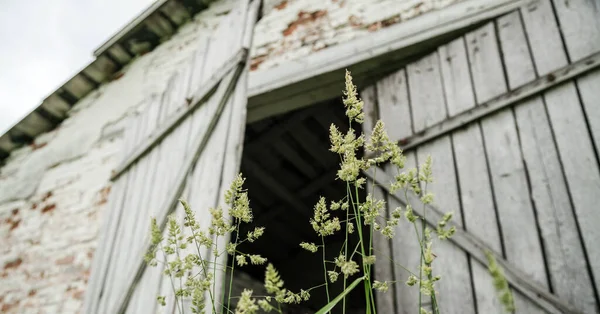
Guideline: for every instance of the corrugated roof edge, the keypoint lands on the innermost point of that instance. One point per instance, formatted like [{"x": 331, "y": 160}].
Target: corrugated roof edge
[{"x": 146, "y": 31}]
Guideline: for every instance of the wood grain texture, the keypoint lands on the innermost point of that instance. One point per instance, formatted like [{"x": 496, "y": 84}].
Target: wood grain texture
[
  {"x": 564, "y": 256},
  {"x": 515, "y": 213},
  {"x": 588, "y": 89},
  {"x": 515, "y": 52},
  {"x": 152, "y": 179},
  {"x": 503, "y": 101},
  {"x": 580, "y": 165},
  {"x": 455, "y": 291},
  {"x": 393, "y": 105},
  {"x": 471, "y": 169},
  {"x": 456, "y": 76},
  {"x": 384, "y": 268},
  {"x": 405, "y": 251},
  {"x": 426, "y": 92},
  {"x": 485, "y": 62},
  {"x": 544, "y": 36},
  {"x": 580, "y": 26},
  {"x": 476, "y": 248}
]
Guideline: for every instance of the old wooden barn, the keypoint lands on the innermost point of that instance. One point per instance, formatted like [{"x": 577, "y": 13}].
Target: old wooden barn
[{"x": 504, "y": 95}]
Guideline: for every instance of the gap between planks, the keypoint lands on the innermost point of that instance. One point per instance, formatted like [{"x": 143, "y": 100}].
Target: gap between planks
[
  {"x": 476, "y": 248},
  {"x": 505, "y": 100}
]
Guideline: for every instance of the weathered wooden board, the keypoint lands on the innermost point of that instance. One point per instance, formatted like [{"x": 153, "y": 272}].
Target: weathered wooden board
[
  {"x": 456, "y": 292},
  {"x": 392, "y": 105},
  {"x": 477, "y": 207},
  {"x": 580, "y": 165},
  {"x": 504, "y": 100},
  {"x": 564, "y": 256},
  {"x": 515, "y": 214},
  {"x": 426, "y": 92},
  {"x": 580, "y": 26},
  {"x": 384, "y": 269},
  {"x": 458, "y": 87},
  {"x": 171, "y": 152},
  {"x": 518, "y": 169},
  {"x": 405, "y": 252},
  {"x": 589, "y": 93},
  {"x": 424, "y": 78}
]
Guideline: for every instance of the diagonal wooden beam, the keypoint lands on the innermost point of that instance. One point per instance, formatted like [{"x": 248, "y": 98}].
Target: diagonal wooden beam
[
  {"x": 476, "y": 248},
  {"x": 170, "y": 125},
  {"x": 511, "y": 98}
]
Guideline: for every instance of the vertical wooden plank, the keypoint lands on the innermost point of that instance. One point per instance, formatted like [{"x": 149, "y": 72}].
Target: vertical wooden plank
[
  {"x": 519, "y": 68},
  {"x": 426, "y": 103},
  {"x": 170, "y": 154},
  {"x": 405, "y": 252},
  {"x": 571, "y": 137},
  {"x": 455, "y": 290},
  {"x": 478, "y": 208},
  {"x": 456, "y": 76},
  {"x": 588, "y": 88},
  {"x": 563, "y": 251},
  {"x": 580, "y": 166},
  {"x": 456, "y": 295},
  {"x": 384, "y": 268},
  {"x": 403, "y": 248},
  {"x": 102, "y": 256},
  {"x": 509, "y": 181},
  {"x": 198, "y": 61},
  {"x": 370, "y": 99},
  {"x": 232, "y": 158},
  {"x": 512, "y": 195},
  {"x": 544, "y": 36},
  {"x": 106, "y": 239},
  {"x": 134, "y": 190},
  {"x": 488, "y": 77},
  {"x": 580, "y": 26},
  {"x": 471, "y": 170},
  {"x": 392, "y": 99},
  {"x": 139, "y": 195}
]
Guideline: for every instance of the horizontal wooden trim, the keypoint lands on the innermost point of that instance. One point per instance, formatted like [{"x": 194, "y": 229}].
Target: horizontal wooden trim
[
  {"x": 302, "y": 80},
  {"x": 200, "y": 141},
  {"x": 200, "y": 96},
  {"x": 509, "y": 99},
  {"x": 476, "y": 248}
]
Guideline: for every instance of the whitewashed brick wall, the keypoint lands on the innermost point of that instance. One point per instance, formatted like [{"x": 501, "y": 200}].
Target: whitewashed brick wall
[{"x": 291, "y": 29}]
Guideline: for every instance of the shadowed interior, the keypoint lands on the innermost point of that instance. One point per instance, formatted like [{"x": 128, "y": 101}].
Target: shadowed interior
[{"x": 288, "y": 166}]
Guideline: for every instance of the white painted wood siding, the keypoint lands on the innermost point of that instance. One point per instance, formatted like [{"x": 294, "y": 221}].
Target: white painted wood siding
[{"x": 146, "y": 188}]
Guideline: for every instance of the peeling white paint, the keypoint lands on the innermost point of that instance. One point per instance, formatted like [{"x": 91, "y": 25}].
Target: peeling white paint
[
  {"x": 53, "y": 193},
  {"x": 285, "y": 33}
]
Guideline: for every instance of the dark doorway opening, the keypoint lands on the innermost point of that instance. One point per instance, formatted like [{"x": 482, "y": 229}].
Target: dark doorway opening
[{"x": 288, "y": 167}]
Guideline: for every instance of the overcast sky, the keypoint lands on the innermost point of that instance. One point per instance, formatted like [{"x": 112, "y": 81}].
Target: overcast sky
[{"x": 45, "y": 42}]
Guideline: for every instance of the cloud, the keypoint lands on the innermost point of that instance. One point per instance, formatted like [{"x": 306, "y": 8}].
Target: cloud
[{"x": 44, "y": 43}]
